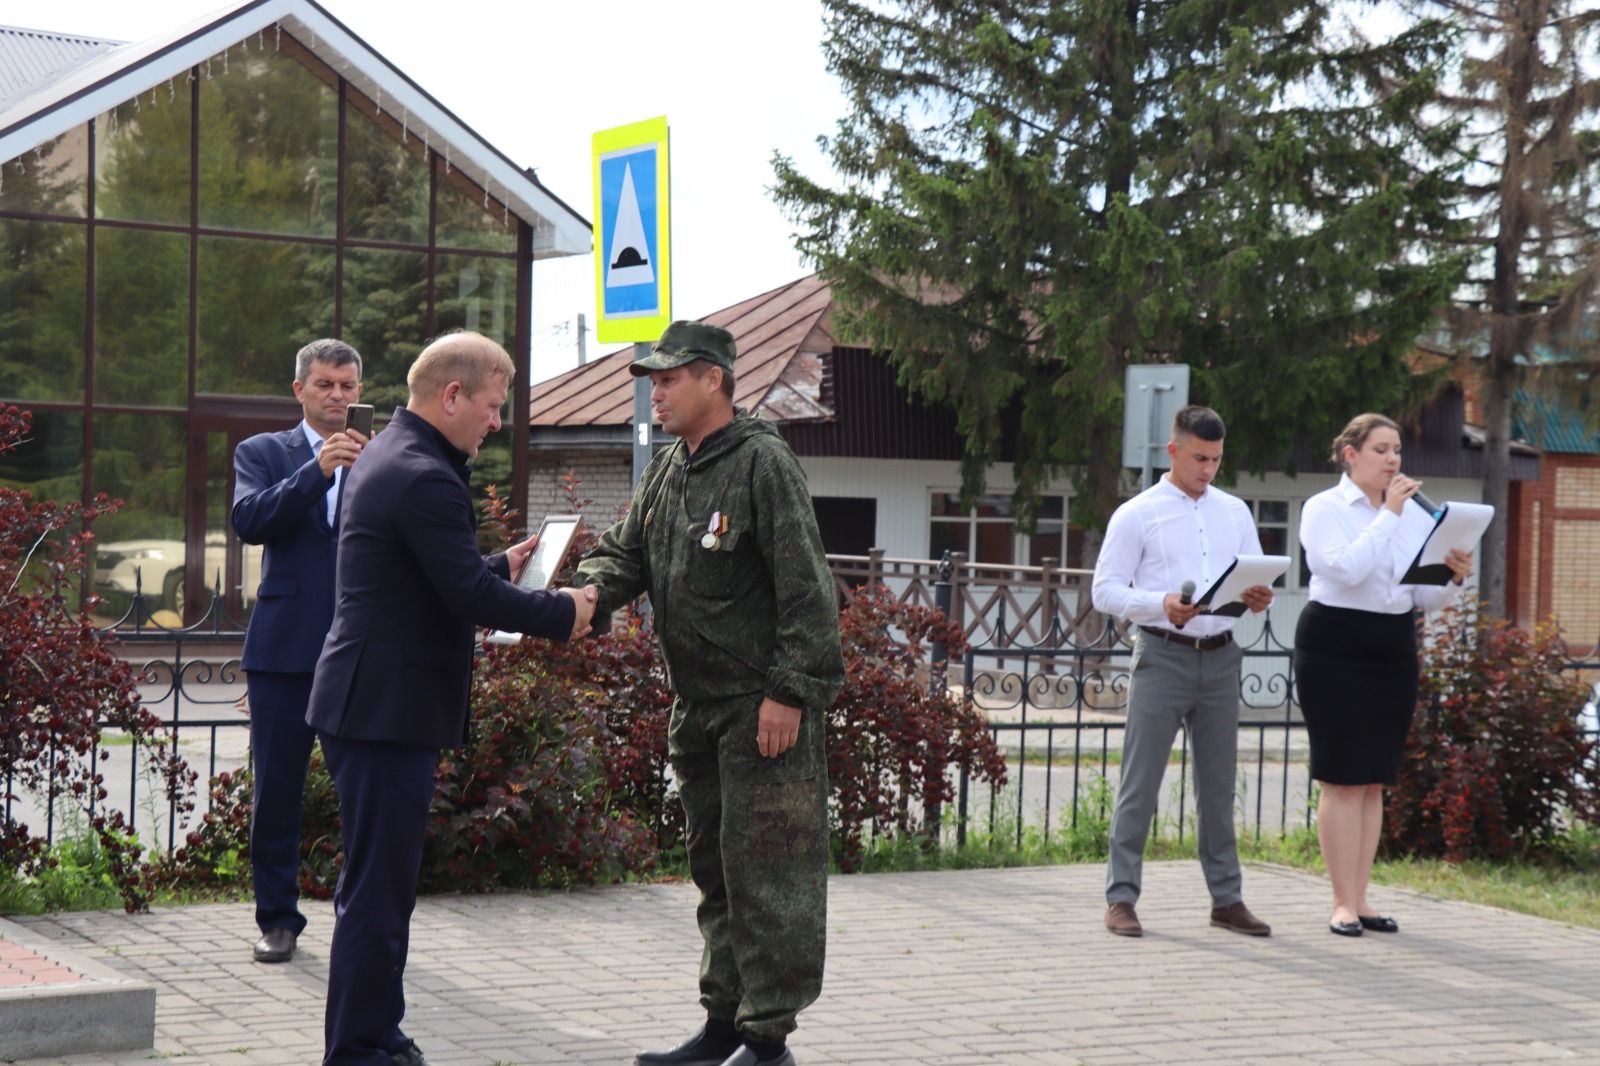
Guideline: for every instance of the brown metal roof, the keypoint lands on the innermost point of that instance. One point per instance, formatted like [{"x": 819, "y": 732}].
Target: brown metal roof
[{"x": 781, "y": 338}]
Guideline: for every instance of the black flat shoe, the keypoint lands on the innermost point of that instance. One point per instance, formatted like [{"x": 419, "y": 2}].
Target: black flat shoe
[
  {"x": 1378, "y": 924},
  {"x": 1345, "y": 928}
]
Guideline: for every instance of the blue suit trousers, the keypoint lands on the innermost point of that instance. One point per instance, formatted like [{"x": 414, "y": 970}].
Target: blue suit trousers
[
  {"x": 280, "y": 749},
  {"x": 384, "y": 793}
]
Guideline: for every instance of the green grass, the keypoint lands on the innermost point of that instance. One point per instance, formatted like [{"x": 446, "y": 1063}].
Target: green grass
[
  {"x": 79, "y": 880},
  {"x": 1564, "y": 887}
]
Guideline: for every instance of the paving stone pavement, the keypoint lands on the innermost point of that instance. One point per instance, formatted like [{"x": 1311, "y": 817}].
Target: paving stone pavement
[{"x": 966, "y": 968}]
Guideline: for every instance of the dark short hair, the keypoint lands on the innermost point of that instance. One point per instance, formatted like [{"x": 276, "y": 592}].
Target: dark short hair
[
  {"x": 1198, "y": 421},
  {"x": 328, "y": 351},
  {"x": 701, "y": 367}
]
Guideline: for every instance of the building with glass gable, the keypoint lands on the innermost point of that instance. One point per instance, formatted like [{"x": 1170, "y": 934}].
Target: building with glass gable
[{"x": 178, "y": 216}]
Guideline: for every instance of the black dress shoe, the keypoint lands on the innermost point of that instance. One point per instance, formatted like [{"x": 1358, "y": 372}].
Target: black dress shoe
[
  {"x": 275, "y": 945},
  {"x": 749, "y": 1056},
  {"x": 1378, "y": 924},
  {"x": 701, "y": 1049},
  {"x": 410, "y": 1055},
  {"x": 1345, "y": 928}
]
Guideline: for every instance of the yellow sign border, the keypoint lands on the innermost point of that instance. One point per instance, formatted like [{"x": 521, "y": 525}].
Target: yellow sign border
[{"x": 652, "y": 131}]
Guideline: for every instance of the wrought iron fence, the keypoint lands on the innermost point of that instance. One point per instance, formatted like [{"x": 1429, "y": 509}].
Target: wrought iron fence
[
  {"x": 1054, "y": 696},
  {"x": 1048, "y": 707}
]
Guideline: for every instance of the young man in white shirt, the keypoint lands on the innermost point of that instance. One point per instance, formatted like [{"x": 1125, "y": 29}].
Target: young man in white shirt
[{"x": 1185, "y": 669}]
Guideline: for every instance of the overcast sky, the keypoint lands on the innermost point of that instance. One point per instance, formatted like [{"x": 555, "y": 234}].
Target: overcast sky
[{"x": 736, "y": 80}]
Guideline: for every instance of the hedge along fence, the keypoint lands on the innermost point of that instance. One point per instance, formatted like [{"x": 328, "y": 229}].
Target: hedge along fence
[{"x": 564, "y": 779}]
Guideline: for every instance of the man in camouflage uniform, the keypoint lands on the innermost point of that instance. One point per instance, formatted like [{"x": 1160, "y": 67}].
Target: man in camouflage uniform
[{"x": 722, "y": 536}]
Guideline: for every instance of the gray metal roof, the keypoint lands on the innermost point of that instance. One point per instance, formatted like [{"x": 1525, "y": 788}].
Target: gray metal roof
[{"x": 32, "y": 59}]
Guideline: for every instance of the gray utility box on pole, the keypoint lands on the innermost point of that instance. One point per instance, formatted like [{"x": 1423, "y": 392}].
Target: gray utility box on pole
[{"x": 1152, "y": 395}]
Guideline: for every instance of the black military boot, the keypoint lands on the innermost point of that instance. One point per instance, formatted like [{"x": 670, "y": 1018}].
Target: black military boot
[
  {"x": 753, "y": 1054},
  {"x": 710, "y": 1045}
]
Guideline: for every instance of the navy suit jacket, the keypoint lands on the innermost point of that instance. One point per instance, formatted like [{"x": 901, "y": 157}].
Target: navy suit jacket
[
  {"x": 280, "y": 500},
  {"x": 411, "y": 588}
]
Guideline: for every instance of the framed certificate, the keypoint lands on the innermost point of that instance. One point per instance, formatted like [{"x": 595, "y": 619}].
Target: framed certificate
[{"x": 557, "y": 534}]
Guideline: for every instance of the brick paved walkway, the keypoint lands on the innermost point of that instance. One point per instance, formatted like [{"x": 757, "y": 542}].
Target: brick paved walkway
[
  {"x": 20, "y": 968},
  {"x": 937, "y": 969}
]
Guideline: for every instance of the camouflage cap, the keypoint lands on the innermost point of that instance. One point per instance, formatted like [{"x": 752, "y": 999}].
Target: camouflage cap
[{"x": 684, "y": 342}]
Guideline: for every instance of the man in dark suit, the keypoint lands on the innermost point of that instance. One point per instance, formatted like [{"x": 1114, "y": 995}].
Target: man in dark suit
[
  {"x": 391, "y": 686},
  {"x": 285, "y": 498}
]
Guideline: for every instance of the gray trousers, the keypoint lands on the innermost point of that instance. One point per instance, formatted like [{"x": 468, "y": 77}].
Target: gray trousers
[{"x": 1175, "y": 686}]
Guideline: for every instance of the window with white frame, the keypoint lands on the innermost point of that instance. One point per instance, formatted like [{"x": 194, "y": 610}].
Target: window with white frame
[
  {"x": 1272, "y": 523},
  {"x": 988, "y": 533}
]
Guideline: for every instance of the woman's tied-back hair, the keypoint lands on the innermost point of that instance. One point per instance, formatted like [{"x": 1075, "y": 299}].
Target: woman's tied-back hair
[
  {"x": 1355, "y": 434},
  {"x": 470, "y": 358}
]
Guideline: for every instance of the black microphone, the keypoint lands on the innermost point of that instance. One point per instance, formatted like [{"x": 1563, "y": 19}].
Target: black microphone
[
  {"x": 1186, "y": 596},
  {"x": 1433, "y": 509}
]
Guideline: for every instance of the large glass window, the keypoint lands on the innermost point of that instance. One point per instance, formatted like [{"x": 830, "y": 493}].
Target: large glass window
[
  {"x": 141, "y": 317},
  {"x": 49, "y": 462},
  {"x": 385, "y": 318},
  {"x": 386, "y": 176},
  {"x": 476, "y": 293},
  {"x": 467, "y": 218},
  {"x": 50, "y": 179},
  {"x": 139, "y": 458},
  {"x": 260, "y": 302},
  {"x": 142, "y": 158},
  {"x": 42, "y": 281},
  {"x": 269, "y": 144}
]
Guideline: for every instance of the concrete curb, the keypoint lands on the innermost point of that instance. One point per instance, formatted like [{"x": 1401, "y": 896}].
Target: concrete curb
[{"x": 105, "y": 1011}]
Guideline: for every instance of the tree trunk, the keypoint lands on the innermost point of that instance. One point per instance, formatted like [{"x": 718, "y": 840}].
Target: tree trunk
[{"x": 1498, "y": 379}]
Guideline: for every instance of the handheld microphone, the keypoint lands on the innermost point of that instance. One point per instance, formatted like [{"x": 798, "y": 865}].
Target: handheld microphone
[
  {"x": 1433, "y": 509},
  {"x": 1185, "y": 596}
]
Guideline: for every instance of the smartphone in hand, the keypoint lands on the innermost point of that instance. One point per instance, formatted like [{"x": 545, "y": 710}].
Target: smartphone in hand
[{"x": 358, "y": 416}]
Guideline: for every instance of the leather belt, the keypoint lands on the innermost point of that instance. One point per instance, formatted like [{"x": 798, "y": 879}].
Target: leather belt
[{"x": 1221, "y": 640}]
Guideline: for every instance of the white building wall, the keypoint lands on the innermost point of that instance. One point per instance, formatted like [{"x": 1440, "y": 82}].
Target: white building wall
[{"x": 903, "y": 487}]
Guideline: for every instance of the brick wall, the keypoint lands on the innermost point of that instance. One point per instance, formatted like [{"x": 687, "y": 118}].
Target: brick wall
[
  {"x": 606, "y": 479},
  {"x": 1555, "y": 547}
]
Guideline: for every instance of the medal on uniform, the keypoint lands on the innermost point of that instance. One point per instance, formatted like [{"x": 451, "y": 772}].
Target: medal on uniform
[{"x": 714, "y": 531}]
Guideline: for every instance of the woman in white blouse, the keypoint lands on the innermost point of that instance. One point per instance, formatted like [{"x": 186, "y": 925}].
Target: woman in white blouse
[{"x": 1355, "y": 651}]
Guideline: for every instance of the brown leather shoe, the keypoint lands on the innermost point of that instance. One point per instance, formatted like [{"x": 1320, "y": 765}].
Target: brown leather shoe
[
  {"x": 1122, "y": 921},
  {"x": 1237, "y": 917}
]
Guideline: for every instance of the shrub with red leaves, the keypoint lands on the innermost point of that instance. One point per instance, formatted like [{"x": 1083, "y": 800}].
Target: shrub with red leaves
[
  {"x": 60, "y": 684},
  {"x": 892, "y": 742},
  {"x": 565, "y": 780},
  {"x": 1496, "y": 765}
]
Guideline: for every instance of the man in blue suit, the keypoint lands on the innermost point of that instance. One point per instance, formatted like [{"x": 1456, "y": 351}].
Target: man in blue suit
[
  {"x": 285, "y": 498},
  {"x": 392, "y": 684}
]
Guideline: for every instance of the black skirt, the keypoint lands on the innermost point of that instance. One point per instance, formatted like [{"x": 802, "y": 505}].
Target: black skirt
[{"x": 1356, "y": 673}]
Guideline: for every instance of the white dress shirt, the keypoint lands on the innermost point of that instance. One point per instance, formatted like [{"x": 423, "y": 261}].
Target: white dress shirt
[
  {"x": 1357, "y": 551},
  {"x": 338, "y": 471},
  {"x": 1162, "y": 538}
]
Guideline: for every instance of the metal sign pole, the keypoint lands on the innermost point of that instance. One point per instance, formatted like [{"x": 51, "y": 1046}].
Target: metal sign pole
[
  {"x": 1152, "y": 439},
  {"x": 641, "y": 417}
]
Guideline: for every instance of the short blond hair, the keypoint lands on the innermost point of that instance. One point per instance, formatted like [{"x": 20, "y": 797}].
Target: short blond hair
[{"x": 470, "y": 358}]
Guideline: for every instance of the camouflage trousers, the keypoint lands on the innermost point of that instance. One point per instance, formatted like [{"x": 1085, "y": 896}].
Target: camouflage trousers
[{"x": 757, "y": 838}]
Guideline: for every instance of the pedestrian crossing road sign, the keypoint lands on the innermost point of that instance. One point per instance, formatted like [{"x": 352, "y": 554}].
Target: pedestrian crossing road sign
[{"x": 632, "y": 255}]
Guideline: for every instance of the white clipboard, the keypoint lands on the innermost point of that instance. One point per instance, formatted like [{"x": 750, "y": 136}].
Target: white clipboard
[
  {"x": 1459, "y": 525},
  {"x": 1246, "y": 571}
]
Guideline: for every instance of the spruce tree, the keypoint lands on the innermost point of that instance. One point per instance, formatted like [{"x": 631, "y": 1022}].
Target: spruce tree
[
  {"x": 1526, "y": 95},
  {"x": 1031, "y": 195}
]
